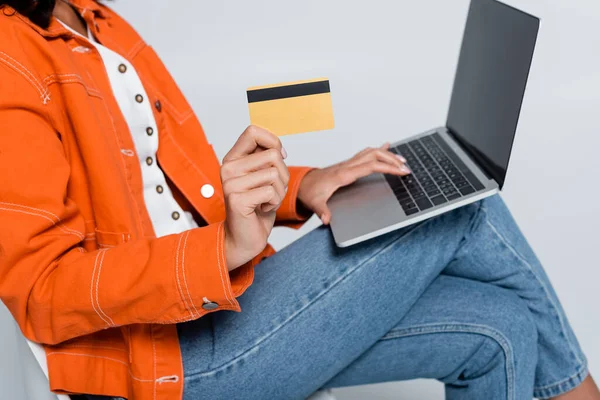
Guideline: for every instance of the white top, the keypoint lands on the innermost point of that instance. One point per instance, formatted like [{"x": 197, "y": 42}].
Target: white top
[{"x": 166, "y": 214}]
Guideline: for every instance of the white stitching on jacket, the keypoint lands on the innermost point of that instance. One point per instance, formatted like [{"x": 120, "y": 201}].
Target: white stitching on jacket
[
  {"x": 94, "y": 347},
  {"x": 219, "y": 264},
  {"x": 154, "y": 365},
  {"x": 217, "y": 193},
  {"x": 97, "y": 283},
  {"x": 71, "y": 78},
  {"x": 128, "y": 152},
  {"x": 177, "y": 276},
  {"x": 183, "y": 273},
  {"x": 27, "y": 74},
  {"x": 179, "y": 117},
  {"x": 92, "y": 286},
  {"x": 38, "y": 213},
  {"x": 105, "y": 358},
  {"x": 136, "y": 49}
]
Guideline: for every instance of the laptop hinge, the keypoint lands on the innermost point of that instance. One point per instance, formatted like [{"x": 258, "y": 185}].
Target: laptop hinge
[{"x": 482, "y": 164}]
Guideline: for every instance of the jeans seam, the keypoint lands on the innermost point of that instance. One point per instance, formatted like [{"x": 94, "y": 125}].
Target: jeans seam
[
  {"x": 540, "y": 282},
  {"x": 303, "y": 308},
  {"x": 554, "y": 389},
  {"x": 477, "y": 215},
  {"x": 476, "y": 329}
]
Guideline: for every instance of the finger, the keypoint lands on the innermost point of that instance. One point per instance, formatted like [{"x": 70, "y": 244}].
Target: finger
[
  {"x": 398, "y": 156},
  {"x": 252, "y": 139},
  {"x": 322, "y": 210},
  {"x": 387, "y": 147},
  {"x": 379, "y": 155},
  {"x": 363, "y": 151},
  {"x": 350, "y": 175},
  {"x": 255, "y": 162},
  {"x": 248, "y": 202},
  {"x": 263, "y": 177},
  {"x": 326, "y": 217}
]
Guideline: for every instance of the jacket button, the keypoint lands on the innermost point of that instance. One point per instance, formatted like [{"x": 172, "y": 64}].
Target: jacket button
[
  {"x": 159, "y": 189},
  {"x": 158, "y": 106},
  {"x": 175, "y": 215},
  {"x": 149, "y": 160},
  {"x": 122, "y": 68},
  {"x": 210, "y": 306},
  {"x": 139, "y": 98},
  {"x": 207, "y": 191},
  {"x": 149, "y": 131}
]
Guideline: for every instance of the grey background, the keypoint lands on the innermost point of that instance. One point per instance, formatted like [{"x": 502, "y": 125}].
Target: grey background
[{"x": 391, "y": 65}]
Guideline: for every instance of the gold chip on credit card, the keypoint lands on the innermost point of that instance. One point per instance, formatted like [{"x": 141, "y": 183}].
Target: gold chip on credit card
[{"x": 294, "y": 107}]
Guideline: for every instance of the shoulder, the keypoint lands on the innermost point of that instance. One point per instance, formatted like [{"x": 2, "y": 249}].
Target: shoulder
[
  {"x": 120, "y": 33},
  {"x": 22, "y": 54}
]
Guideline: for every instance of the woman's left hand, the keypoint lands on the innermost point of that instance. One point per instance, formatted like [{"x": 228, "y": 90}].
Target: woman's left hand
[{"x": 319, "y": 185}]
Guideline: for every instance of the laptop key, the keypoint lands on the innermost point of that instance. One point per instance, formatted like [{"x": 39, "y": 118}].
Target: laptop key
[
  {"x": 437, "y": 200},
  {"x": 454, "y": 196},
  {"x": 467, "y": 190},
  {"x": 461, "y": 166},
  {"x": 407, "y": 204},
  {"x": 423, "y": 203},
  {"x": 411, "y": 211}
]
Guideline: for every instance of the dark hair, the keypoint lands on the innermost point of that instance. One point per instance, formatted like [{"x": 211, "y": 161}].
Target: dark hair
[{"x": 38, "y": 11}]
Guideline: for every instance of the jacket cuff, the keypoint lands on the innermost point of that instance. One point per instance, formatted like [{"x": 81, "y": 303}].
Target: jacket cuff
[
  {"x": 242, "y": 277},
  {"x": 202, "y": 276},
  {"x": 288, "y": 212}
]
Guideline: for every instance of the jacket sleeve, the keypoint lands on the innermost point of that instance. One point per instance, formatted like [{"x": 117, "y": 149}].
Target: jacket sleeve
[
  {"x": 288, "y": 213},
  {"x": 53, "y": 287}
]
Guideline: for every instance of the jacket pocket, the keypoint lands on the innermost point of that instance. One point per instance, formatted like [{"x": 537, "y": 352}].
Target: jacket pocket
[
  {"x": 161, "y": 86},
  {"x": 107, "y": 240}
]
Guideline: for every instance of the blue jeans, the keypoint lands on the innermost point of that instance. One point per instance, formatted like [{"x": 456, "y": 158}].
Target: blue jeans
[{"x": 460, "y": 298}]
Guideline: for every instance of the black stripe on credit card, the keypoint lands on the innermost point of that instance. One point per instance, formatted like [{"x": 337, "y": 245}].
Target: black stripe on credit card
[{"x": 285, "y": 92}]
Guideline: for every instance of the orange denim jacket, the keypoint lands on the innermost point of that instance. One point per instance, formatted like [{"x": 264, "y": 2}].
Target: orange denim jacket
[{"x": 81, "y": 269}]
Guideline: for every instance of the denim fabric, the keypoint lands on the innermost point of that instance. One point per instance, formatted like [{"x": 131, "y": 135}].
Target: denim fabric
[{"x": 460, "y": 298}]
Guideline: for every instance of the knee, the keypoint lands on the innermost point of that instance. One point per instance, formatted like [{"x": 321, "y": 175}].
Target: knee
[
  {"x": 512, "y": 321},
  {"x": 490, "y": 308},
  {"x": 514, "y": 344},
  {"x": 515, "y": 335}
]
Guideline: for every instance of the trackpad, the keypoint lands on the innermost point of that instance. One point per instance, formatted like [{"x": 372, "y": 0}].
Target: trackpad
[{"x": 366, "y": 206}]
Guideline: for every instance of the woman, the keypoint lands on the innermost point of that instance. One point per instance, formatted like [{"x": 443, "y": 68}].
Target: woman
[{"x": 127, "y": 242}]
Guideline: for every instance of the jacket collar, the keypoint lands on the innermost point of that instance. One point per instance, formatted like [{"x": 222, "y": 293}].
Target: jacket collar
[{"x": 85, "y": 6}]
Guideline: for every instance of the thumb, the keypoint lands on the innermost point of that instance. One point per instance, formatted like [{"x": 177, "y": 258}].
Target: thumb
[{"x": 324, "y": 213}]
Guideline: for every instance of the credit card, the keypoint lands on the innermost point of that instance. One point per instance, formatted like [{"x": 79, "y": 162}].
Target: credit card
[{"x": 293, "y": 107}]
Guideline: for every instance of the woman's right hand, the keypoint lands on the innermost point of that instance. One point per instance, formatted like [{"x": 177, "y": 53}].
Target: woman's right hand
[{"x": 255, "y": 180}]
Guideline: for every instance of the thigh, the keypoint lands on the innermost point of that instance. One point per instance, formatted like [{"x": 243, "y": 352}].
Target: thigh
[
  {"x": 314, "y": 308},
  {"x": 477, "y": 338}
]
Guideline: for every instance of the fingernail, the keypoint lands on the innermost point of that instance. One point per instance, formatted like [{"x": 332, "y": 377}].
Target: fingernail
[
  {"x": 283, "y": 153},
  {"x": 404, "y": 168},
  {"x": 401, "y": 158}
]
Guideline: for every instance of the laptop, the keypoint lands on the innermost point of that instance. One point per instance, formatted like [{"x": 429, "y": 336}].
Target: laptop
[{"x": 467, "y": 159}]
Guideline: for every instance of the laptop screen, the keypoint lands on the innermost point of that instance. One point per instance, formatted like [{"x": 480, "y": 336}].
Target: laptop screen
[{"x": 490, "y": 81}]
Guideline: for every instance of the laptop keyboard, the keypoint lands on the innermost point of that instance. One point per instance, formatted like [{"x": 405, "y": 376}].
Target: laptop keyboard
[{"x": 438, "y": 175}]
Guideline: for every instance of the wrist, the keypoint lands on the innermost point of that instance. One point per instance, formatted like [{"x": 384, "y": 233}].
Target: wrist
[
  {"x": 302, "y": 197},
  {"x": 230, "y": 252}
]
